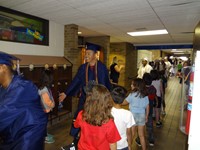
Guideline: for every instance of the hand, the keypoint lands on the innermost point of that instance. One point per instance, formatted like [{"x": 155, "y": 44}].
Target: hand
[
  {"x": 62, "y": 96},
  {"x": 122, "y": 66}
]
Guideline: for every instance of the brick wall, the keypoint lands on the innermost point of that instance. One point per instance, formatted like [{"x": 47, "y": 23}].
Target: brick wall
[
  {"x": 131, "y": 63},
  {"x": 72, "y": 53}
]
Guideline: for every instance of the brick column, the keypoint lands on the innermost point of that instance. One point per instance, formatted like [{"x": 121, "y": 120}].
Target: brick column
[
  {"x": 72, "y": 53},
  {"x": 131, "y": 64},
  {"x": 127, "y": 55}
]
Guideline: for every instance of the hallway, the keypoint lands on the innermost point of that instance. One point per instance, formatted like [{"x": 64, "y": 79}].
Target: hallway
[{"x": 168, "y": 137}]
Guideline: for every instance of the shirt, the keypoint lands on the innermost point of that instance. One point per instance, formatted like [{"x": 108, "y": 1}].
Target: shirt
[
  {"x": 151, "y": 90},
  {"x": 137, "y": 104},
  {"x": 114, "y": 75},
  {"x": 157, "y": 85},
  {"x": 168, "y": 64},
  {"x": 179, "y": 66},
  {"x": 142, "y": 70},
  {"x": 123, "y": 120},
  {"x": 96, "y": 137}
]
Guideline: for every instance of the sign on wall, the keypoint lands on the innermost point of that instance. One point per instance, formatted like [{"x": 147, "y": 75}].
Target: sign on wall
[{"x": 16, "y": 26}]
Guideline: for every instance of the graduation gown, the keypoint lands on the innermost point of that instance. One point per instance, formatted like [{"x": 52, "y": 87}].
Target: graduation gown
[
  {"x": 79, "y": 82},
  {"x": 22, "y": 119}
]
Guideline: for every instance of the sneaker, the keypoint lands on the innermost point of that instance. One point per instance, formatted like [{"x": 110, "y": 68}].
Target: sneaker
[
  {"x": 138, "y": 142},
  {"x": 49, "y": 140},
  {"x": 72, "y": 146},
  {"x": 158, "y": 124},
  {"x": 151, "y": 143},
  {"x": 50, "y": 135}
]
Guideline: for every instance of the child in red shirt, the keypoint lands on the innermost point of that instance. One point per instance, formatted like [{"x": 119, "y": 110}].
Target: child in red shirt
[{"x": 98, "y": 130}]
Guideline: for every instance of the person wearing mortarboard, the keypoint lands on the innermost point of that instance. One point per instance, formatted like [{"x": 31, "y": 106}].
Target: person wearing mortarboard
[
  {"x": 144, "y": 68},
  {"x": 91, "y": 70},
  {"x": 22, "y": 119}
]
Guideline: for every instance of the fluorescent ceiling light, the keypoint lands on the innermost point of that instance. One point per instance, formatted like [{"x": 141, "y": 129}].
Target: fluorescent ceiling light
[
  {"x": 79, "y": 32},
  {"x": 151, "y": 32},
  {"x": 178, "y": 53}
]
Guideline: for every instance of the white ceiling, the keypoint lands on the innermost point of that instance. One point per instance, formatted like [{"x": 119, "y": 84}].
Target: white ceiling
[{"x": 117, "y": 17}]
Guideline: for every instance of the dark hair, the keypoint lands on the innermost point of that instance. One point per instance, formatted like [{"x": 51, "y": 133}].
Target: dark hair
[
  {"x": 46, "y": 79},
  {"x": 147, "y": 78},
  {"x": 98, "y": 105},
  {"x": 118, "y": 94},
  {"x": 139, "y": 87},
  {"x": 154, "y": 74}
]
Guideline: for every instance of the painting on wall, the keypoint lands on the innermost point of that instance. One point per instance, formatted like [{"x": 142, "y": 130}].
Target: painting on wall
[{"x": 16, "y": 26}]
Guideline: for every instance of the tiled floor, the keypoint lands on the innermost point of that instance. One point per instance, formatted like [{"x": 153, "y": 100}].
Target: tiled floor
[{"x": 167, "y": 137}]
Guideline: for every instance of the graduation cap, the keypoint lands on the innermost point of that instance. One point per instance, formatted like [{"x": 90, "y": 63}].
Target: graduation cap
[
  {"x": 93, "y": 47},
  {"x": 7, "y": 59}
]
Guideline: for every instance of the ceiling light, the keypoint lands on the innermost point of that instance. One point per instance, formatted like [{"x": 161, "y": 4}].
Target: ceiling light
[
  {"x": 79, "y": 32},
  {"x": 151, "y": 32},
  {"x": 178, "y": 53}
]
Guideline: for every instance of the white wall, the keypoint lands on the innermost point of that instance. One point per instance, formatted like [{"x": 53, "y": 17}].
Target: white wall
[{"x": 55, "y": 48}]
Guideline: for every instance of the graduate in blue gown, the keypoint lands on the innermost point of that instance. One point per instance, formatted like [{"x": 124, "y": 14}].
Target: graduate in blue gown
[
  {"x": 22, "y": 119},
  {"x": 91, "y": 70}
]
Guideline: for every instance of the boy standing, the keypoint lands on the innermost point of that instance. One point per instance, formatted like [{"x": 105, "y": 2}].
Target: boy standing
[{"x": 123, "y": 119}]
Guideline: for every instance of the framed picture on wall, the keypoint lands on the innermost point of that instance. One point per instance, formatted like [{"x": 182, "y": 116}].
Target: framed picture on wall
[{"x": 16, "y": 26}]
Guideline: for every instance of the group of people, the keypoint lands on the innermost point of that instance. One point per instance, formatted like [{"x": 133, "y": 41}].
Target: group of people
[{"x": 99, "y": 122}]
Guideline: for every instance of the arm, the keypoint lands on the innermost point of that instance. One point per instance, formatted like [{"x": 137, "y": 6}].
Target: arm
[
  {"x": 118, "y": 68},
  {"x": 75, "y": 85},
  {"x": 161, "y": 89},
  {"x": 147, "y": 112},
  {"x": 113, "y": 146},
  {"x": 47, "y": 100},
  {"x": 129, "y": 137}
]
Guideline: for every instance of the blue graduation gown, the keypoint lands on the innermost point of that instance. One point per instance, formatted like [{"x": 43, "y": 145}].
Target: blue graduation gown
[
  {"x": 79, "y": 82},
  {"x": 22, "y": 119}
]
